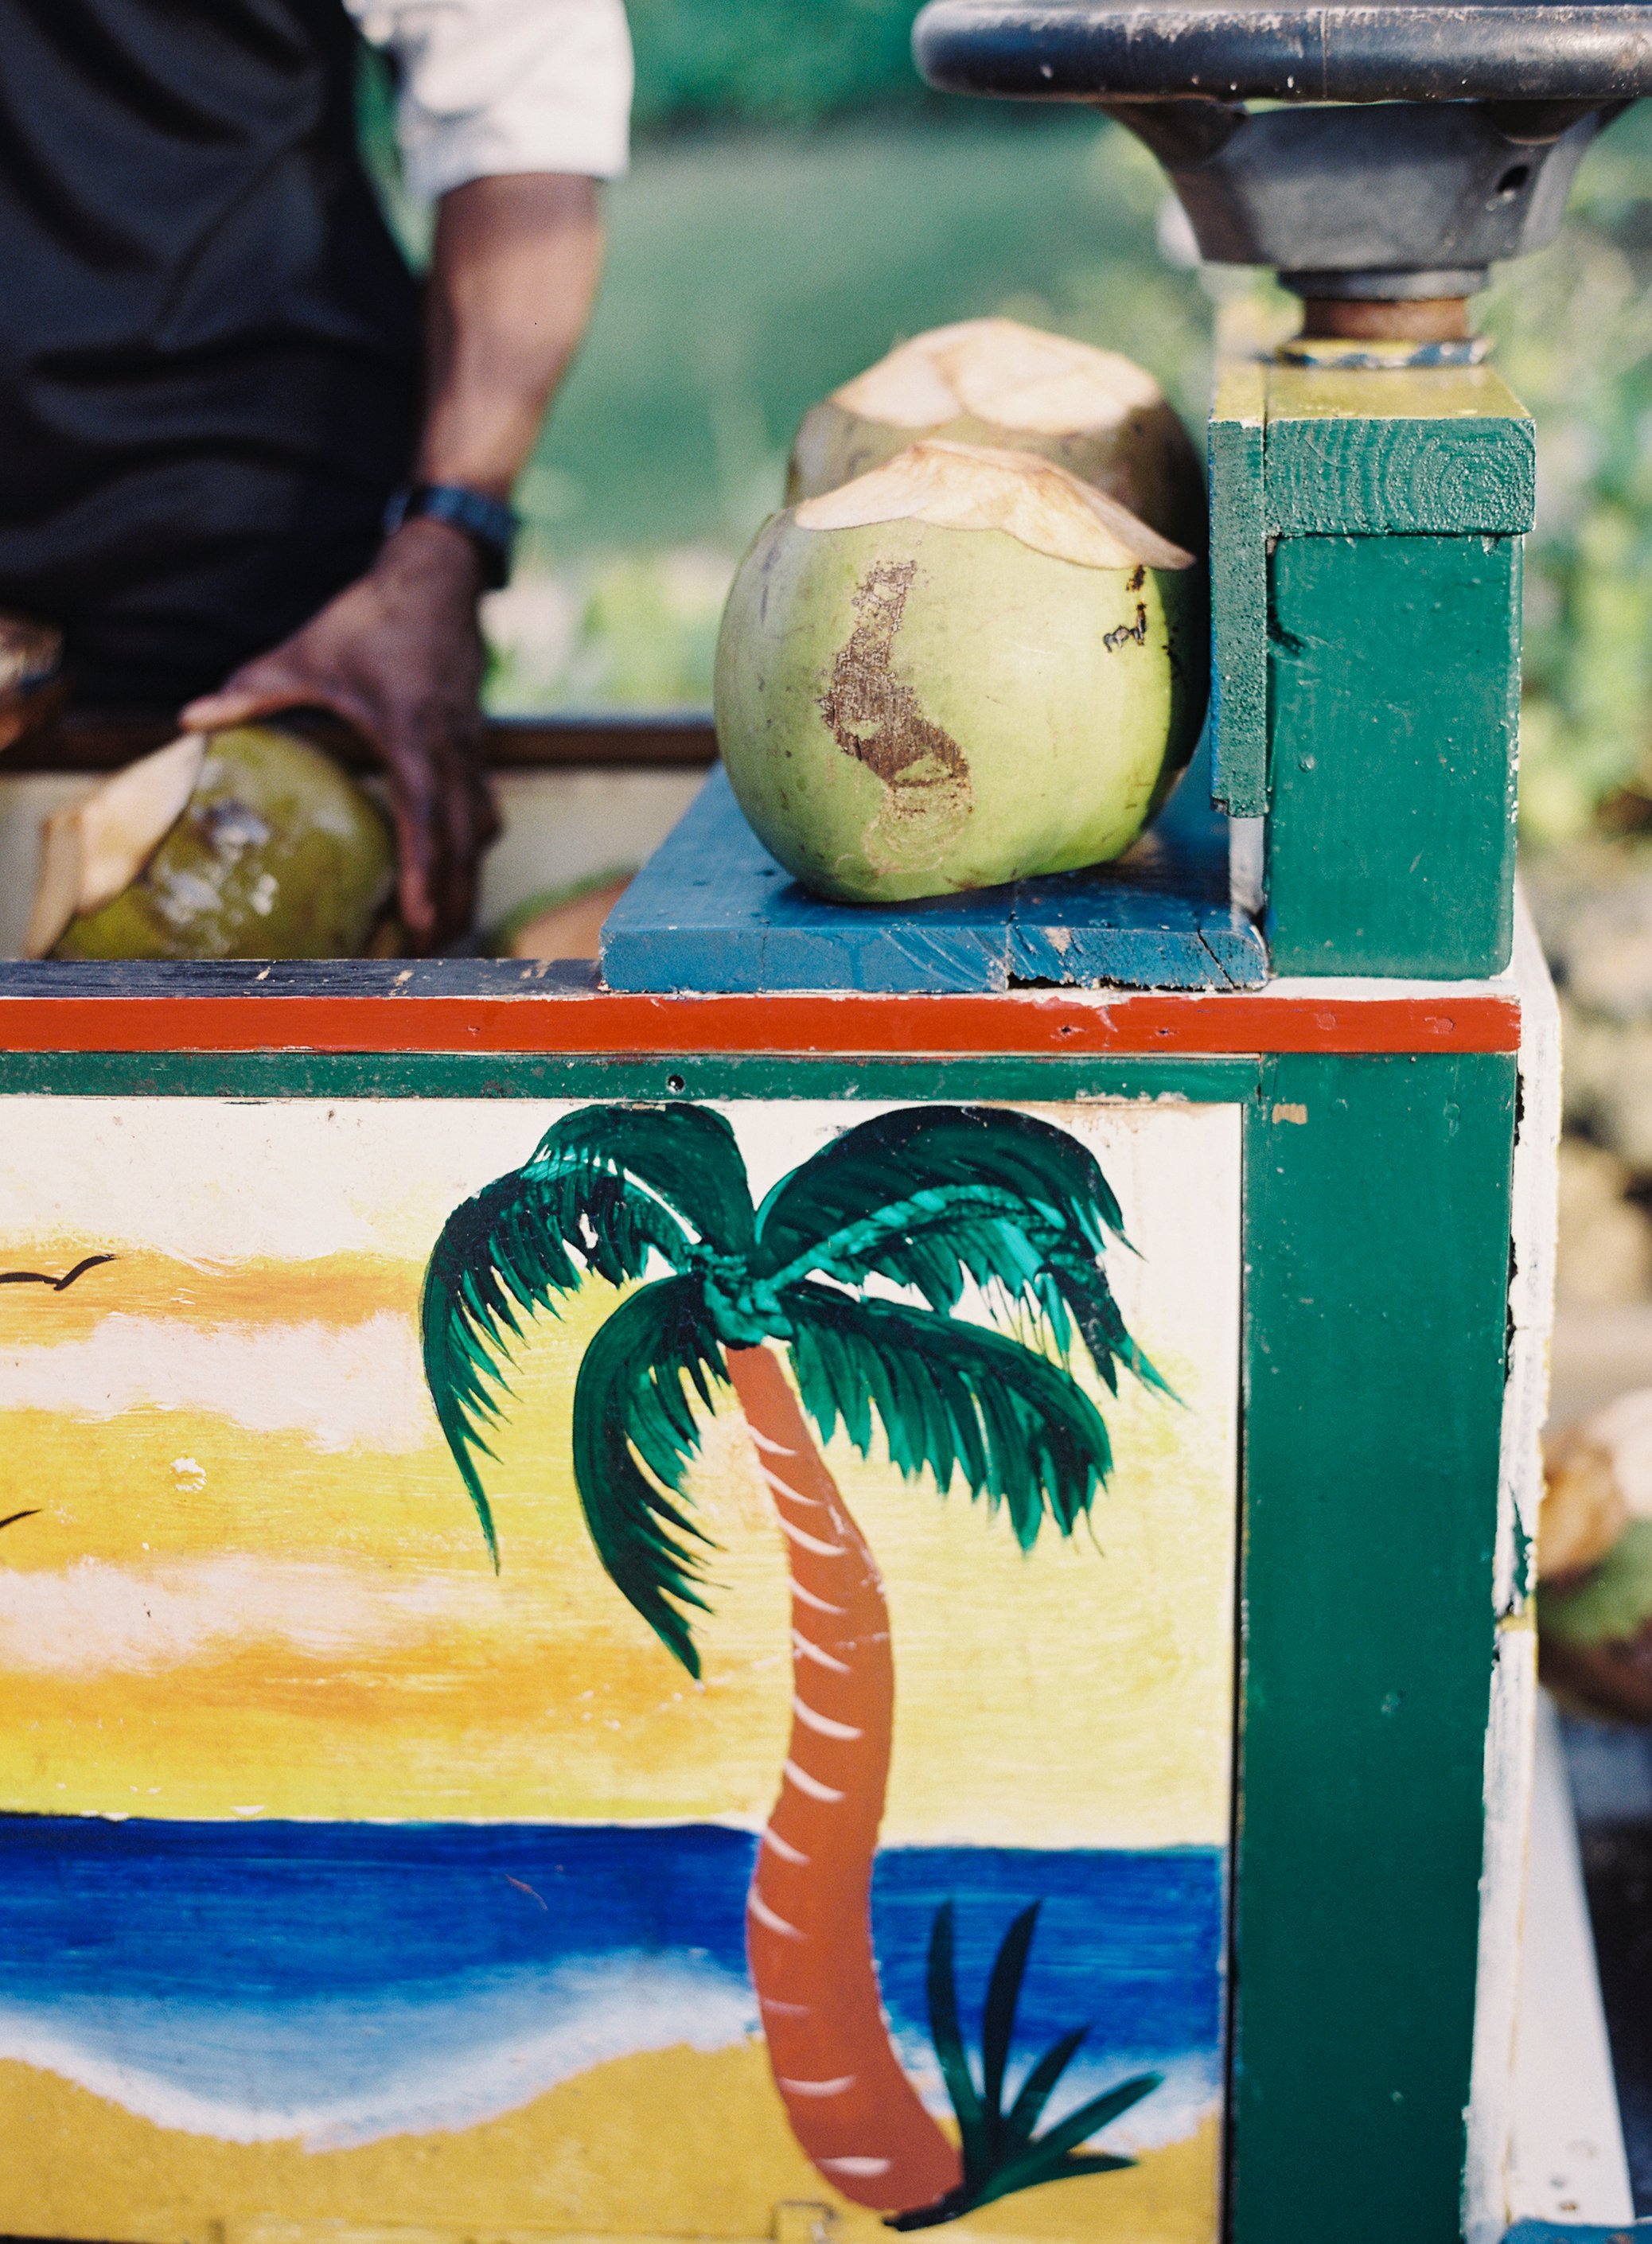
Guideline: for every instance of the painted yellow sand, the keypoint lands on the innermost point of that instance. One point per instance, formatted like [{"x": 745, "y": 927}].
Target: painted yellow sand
[
  {"x": 673, "y": 2144},
  {"x": 206, "y": 1618}
]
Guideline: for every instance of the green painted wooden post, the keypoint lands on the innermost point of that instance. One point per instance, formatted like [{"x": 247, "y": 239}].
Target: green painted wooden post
[
  {"x": 1377, "y": 1257},
  {"x": 1391, "y": 506},
  {"x": 1393, "y": 676}
]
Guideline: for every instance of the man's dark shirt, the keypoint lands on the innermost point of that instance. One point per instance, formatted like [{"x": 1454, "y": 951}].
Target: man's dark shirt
[{"x": 208, "y": 340}]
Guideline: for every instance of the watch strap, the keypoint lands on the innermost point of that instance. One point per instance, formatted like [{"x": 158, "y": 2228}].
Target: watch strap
[{"x": 489, "y": 524}]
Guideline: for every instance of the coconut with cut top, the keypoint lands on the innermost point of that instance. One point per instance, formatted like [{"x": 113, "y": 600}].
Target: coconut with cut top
[
  {"x": 998, "y": 383},
  {"x": 964, "y": 667},
  {"x": 241, "y": 844}
]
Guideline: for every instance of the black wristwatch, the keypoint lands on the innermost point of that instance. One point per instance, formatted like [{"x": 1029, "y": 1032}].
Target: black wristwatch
[{"x": 488, "y": 522}]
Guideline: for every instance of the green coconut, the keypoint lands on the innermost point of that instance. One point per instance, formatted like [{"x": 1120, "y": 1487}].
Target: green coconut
[
  {"x": 1012, "y": 387},
  {"x": 243, "y": 844},
  {"x": 963, "y": 668}
]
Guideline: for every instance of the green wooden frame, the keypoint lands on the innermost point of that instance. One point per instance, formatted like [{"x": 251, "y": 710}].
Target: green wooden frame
[{"x": 1376, "y": 1244}]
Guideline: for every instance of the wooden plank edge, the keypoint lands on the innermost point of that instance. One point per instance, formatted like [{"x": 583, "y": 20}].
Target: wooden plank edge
[
  {"x": 614, "y": 1023},
  {"x": 947, "y": 962},
  {"x": 1238, "y": 589},
  {"x": 1426, "y": 393},
  {"x": 1315, "y": 487}
]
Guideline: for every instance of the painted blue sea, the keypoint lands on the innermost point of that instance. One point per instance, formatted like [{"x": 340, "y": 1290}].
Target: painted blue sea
[{"x": 341, "y": 1982}]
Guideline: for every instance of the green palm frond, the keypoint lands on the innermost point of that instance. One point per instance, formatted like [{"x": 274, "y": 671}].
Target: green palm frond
[
  {"x": 1078, "y": 1284},
  {"x": 632, "y": 1409},
  {"x": 1055, "y": 2155},
  {"x": 878, "y": 1163},
  {"x": 999, "y": 2151},
  {"x": 1040, "y": 2085},
  {"x": 682, "y": 1159},
  {"x": 947, "y": 2032},
  {"x": 950, "y": 1397},
  {"x": 932, "y": 1197},
  {"x": 606, "y": 1187},
  {"x": 998, "y": 2017},
  {"x": 495, "y": 1257}
]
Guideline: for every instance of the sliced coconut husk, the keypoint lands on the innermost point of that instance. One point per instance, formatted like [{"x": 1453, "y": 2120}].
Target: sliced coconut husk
[
  {"x": 1583, "y": 1512},
  {"x": 995, "y": 382},
  {"x": 976, "y": 487},
  {"x": 1594, "y": 1561},
  {"x": 31, "y": 685},
  {"x": 92, "y": 852},
  {"x": 277, "y": 854},
  {"x": 999, "y": 370}
]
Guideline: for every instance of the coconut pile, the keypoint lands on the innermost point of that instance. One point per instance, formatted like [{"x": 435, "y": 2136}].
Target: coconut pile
[
  {"x": 1594, "y": 1561},
  {"x": 974, "y": 645}
]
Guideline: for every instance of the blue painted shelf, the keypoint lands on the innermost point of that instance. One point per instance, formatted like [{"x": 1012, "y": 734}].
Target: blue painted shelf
[{"x": 712, "y": 911}]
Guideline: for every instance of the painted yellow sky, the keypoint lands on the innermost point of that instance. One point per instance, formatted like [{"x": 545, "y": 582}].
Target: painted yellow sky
[{"x": 254, "y": 1586}]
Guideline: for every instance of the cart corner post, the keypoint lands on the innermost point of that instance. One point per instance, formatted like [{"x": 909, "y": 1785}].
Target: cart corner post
[{"x": 1391, "y": 505}]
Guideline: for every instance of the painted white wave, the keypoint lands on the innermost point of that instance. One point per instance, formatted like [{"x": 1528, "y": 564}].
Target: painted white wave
[
  {"x": 341, "y": 2072},
  {"x": 96, "y": 1619},
  {"x": 400, "y": 2067},
  {"x": 342, "y": 1386}
]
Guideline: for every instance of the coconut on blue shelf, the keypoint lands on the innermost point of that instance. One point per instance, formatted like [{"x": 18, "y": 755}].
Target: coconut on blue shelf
[{"x": 964, "y": 667}]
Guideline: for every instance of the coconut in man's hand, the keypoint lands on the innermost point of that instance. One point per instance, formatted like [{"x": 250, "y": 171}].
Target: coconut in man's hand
[{"x": 247, "y": 843}]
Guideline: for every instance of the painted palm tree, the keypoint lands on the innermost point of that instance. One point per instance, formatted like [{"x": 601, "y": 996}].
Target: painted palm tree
[{"x": 928, "y": 1200}]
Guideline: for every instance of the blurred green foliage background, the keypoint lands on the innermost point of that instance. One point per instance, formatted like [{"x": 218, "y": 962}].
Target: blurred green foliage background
[
  {"x": 798, "y": 202},
  {"x": 1573, "y": 327}
]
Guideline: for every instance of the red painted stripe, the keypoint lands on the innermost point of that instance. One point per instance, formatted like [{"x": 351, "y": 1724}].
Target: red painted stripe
[{"x": 1032, "y": 1023}]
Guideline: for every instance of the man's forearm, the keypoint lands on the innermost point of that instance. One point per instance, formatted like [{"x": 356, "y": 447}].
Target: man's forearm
[
  {"x": 512, "y": 279},
  {"x": 398, "y": 652}
]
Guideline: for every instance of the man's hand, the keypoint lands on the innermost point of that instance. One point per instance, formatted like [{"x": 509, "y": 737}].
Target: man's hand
[{"x": 398, "y": 655}]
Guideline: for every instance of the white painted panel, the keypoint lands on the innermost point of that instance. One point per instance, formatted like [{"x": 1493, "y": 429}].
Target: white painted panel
[
  {"x": 1509, "y": 1735},
  {"x": 1567, "y": 2160},
  {"x": 1508, "y": 1814},
  {"x": 245, "y": 1587}
]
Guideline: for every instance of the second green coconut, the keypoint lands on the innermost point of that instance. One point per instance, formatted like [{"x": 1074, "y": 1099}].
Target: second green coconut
[{"x": 963, "y": 668}]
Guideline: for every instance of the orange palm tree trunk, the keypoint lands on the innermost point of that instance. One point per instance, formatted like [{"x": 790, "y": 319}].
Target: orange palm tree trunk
[{"x": 809, "y": 1932}]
